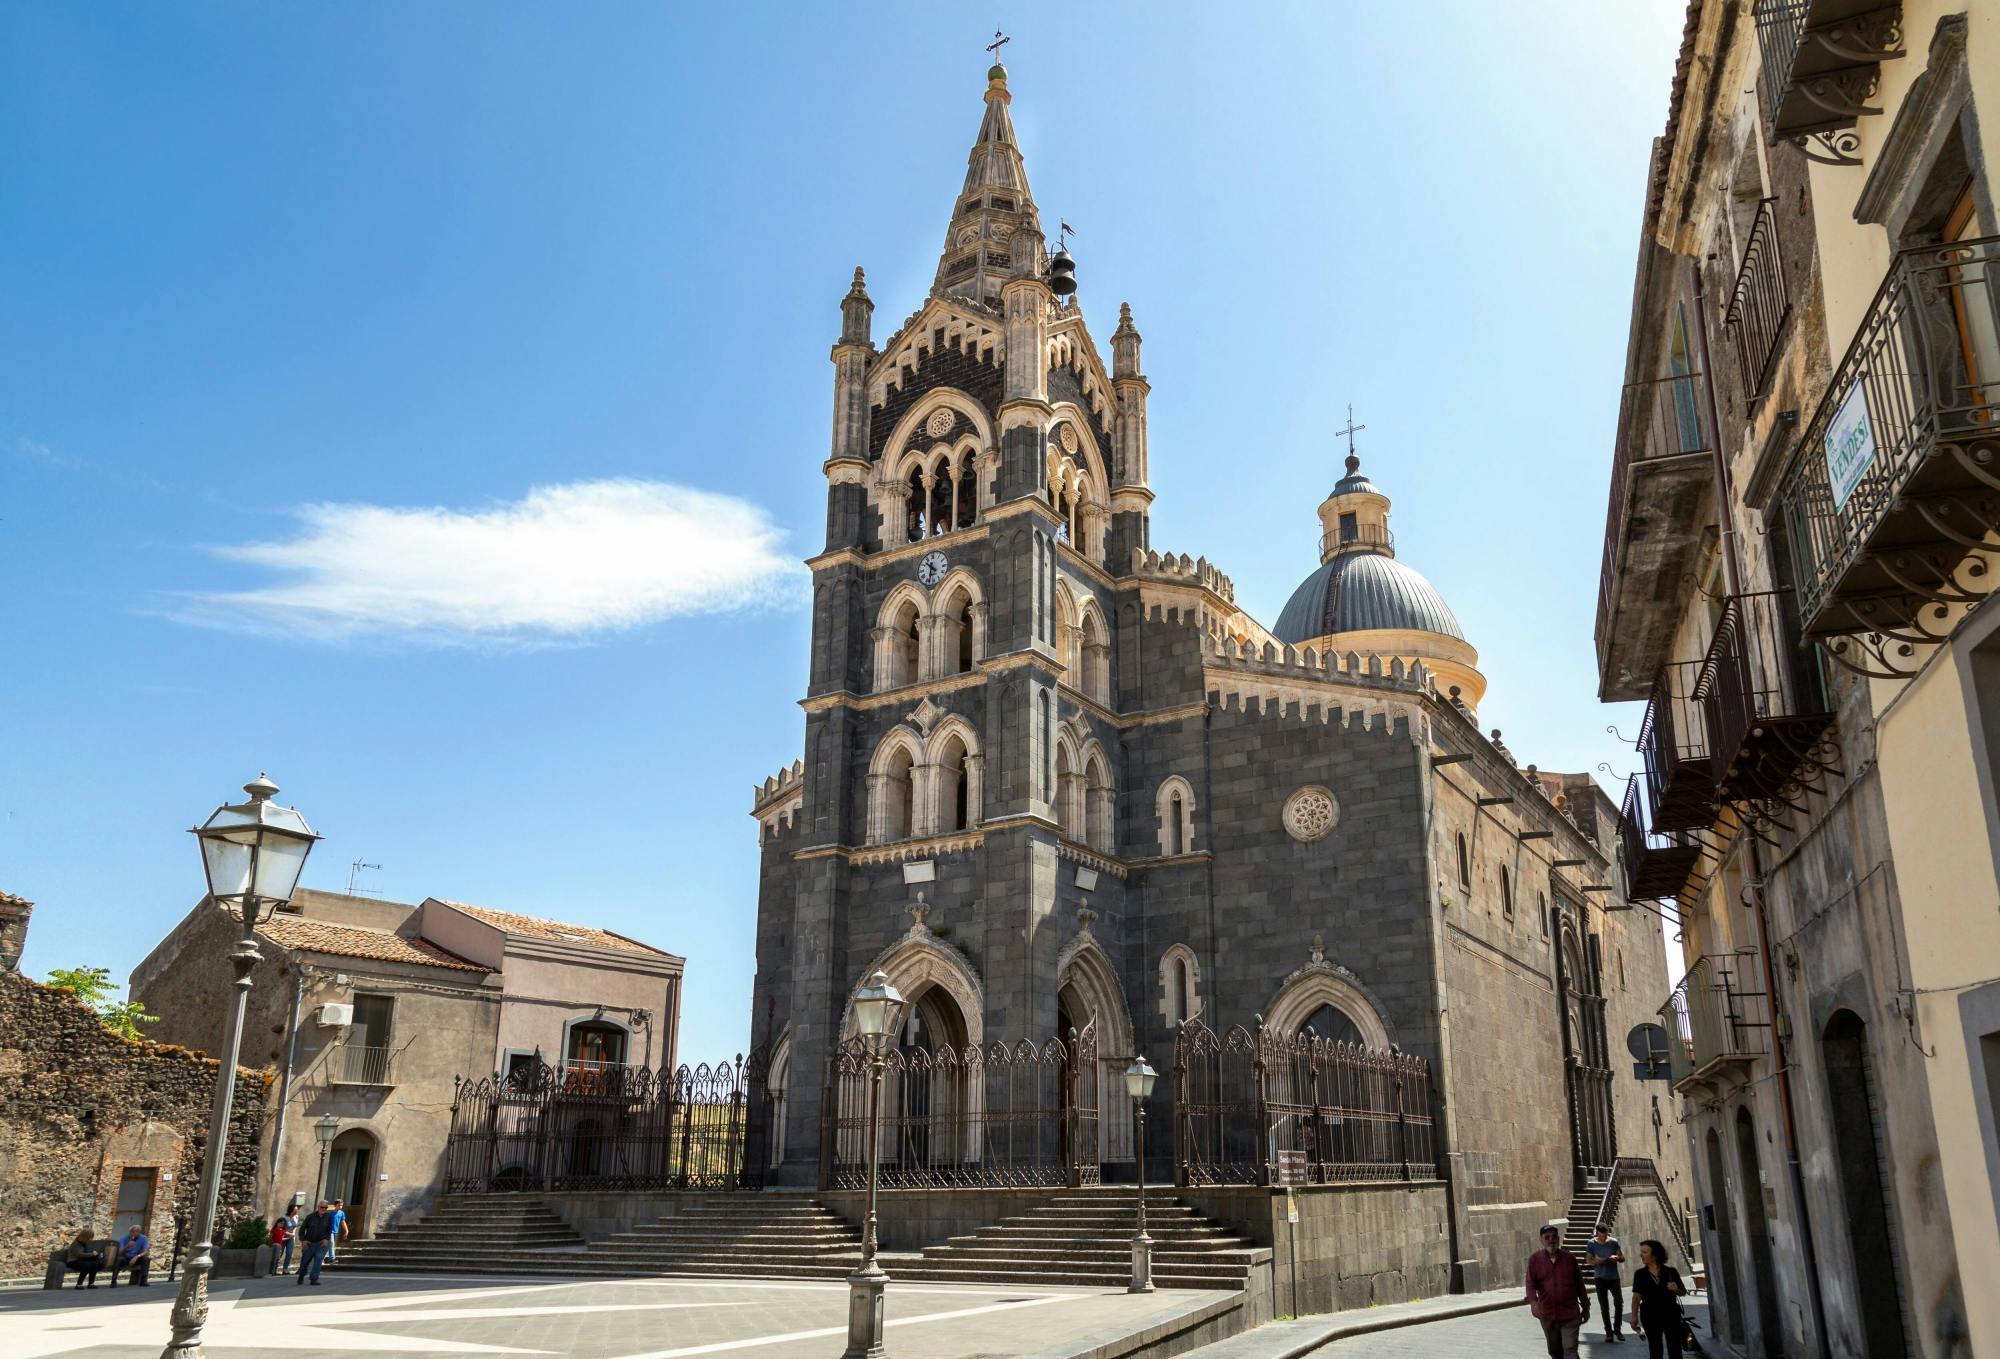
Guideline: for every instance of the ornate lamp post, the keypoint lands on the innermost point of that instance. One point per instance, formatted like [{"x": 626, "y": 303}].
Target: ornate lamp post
[
  {"x": 878, "y": 1007},
  {"x": 253, "y": 853},
  {"x": 325, "y": 1129},
  {"x": 1139, "y": 1078}
]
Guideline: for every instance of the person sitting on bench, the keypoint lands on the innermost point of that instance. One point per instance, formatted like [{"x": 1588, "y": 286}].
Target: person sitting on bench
[
  {"x": 132, "y": 1253},
  {"x": 83, "y": 1258}
]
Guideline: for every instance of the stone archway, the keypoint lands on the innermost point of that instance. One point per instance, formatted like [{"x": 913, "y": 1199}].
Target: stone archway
[
  {"x": 1320, "y": 984},
  {"x": 1087, "y": 990}
]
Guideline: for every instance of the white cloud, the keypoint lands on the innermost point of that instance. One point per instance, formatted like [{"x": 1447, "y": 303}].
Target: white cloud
[{"x": 559, "y": 564}]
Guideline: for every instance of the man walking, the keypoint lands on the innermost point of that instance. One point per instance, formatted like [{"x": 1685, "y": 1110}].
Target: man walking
[
  {"x": 1556, "y": 1294},
  {"x": 339, "y": 1216},
  {"x": 315, "y": 1235},
  {"x": 1608, "y": 1255}
]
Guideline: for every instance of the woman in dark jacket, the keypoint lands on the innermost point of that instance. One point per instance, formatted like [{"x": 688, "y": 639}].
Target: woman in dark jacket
[{"x": 1656, "y": 1301}]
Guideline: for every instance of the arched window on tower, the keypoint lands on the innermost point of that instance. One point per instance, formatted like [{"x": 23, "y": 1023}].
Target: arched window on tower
[
  {"x": 955, "y": 651},
  {"x": 1506, "y": 895},
  {"x": 1180, "y": 985},
  {"x": 914, "y": 503},
  {"x": 896, "y": 648},
  {"x": 1095, "y": 656},
  {"x": 892, "y": 797},
  {"x": 1173, "y": 804},
  {"x": 1069, "y": 794},
  {"x": 954, "y": 785},
  {"x": 1099, "y": 805},
  {"x": 1464, "y": 865},
  {"x": 968, "y": 491},
  {"x": 942, "y": 484}
]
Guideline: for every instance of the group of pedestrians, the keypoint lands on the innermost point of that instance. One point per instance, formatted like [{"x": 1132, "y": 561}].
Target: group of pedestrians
[
  {"x": 1560, "y": 1300},
  {"x": 132, "y": 1253},
  {"x": 316, "y": 1235}
]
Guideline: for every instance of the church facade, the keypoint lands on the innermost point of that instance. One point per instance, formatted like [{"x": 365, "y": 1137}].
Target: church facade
[{"x": 1128, "y": 804}]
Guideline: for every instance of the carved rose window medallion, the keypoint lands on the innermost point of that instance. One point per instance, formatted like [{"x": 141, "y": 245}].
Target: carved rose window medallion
[{"x": 1310, "y": 814}]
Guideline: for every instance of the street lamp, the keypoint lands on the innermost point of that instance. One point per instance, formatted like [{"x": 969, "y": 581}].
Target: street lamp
[
  {"x": 1139, "y": 1078},
  {"x": 252, "y": 853},
  {"x": 325, "y": 1129},
  {"x": 878, "y": 1007}
]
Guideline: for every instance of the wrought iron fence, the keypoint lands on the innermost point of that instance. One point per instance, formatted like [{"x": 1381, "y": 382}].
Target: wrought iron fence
[
  {"x": 1761, "y": 302},
  {"x": 1260, "y": 1107},
  {"x": 543, "y": 1128},
  {"x": 949, "y": 1116}
]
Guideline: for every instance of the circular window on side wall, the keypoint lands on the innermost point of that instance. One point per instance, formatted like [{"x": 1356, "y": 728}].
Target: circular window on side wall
[{"x": 1310, "y": 814}]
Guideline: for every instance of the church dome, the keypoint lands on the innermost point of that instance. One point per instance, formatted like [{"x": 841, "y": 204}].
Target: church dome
[{"x": 1364, "y": 592}]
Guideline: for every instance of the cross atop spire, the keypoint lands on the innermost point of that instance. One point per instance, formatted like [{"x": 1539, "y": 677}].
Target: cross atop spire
[
  {"x": 1350, "y": 430},
  {"x": 1000, "y": 40}
]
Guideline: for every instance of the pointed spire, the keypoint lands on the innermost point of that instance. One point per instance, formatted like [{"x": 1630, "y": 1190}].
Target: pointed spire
[
  {"x": 994, "y": 206},
  {"x": 855, "y": 311}
]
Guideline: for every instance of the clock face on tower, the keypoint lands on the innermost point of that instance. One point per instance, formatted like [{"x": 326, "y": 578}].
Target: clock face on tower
[{"x": 931, "y": 569}]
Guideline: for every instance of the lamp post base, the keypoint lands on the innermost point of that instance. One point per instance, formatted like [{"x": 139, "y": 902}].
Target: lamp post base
[
  {"x": 190, "y": 1312},
  {"x": 1142, "y": 1264},
  {"x": 864, "y": 1313}
]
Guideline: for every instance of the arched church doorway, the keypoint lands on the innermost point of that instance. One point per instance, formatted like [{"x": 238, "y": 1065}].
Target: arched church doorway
[
  {"x": 1721, "y": 1225},
  {"x": 1757, "y": 1228},
  {"x": 1586, "y": 1053},
  {"x": 352, "y": 1163},
  {"x": 930, "y": 1093},
  {"x": 1332, "y": 1024},
  {"x": 1857, "y": 1143},
  {"x": 1090, "y": 999}
]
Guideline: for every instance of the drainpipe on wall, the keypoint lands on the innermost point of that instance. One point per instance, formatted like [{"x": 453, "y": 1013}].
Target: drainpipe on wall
[
  {"x": 285, "y": 1081},
  {"x": 1733, "y": 583}
]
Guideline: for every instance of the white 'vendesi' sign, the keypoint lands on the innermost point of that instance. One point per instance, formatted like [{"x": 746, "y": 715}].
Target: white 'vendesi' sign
[{"x": 1850, "y": 446}]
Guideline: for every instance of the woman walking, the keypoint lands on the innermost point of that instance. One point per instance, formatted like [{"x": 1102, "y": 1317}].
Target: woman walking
[{"x": 1656, "y": 1301}]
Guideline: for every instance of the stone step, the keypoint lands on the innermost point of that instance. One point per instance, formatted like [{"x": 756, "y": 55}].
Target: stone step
[{"x": 1094, "y": 1252}]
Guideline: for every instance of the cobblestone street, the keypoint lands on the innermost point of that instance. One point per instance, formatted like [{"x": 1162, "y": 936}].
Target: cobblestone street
[{"x": 1509, "y": 1332}]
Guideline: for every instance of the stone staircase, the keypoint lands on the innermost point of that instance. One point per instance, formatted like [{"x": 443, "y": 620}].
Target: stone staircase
[
  {"x": 465, "y": 1235},
  {"x": 1077, "y": 1237},
  {"x": 1085, "y": 1237},
  {"x": 1584, "y": 1207}
]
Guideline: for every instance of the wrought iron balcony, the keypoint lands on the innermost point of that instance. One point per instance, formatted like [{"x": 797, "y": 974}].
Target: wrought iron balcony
[
  {"x": 1822, "y": 60},
  {"x": 1764, "y": 701},
  {"x": 1657, "y": 862},
  {"x": 359, "y": 1064},
  {"x": 1760, "y": 304},
  {"x": 1659, "y": 473},
  {"x": 1896, "y": 478},
  {"x": 1673, "y": 746},
  {"x": 1716, "y": 1019}
]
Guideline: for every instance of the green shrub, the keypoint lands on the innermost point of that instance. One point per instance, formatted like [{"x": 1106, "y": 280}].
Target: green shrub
[{"x": 248, "y": 1234}]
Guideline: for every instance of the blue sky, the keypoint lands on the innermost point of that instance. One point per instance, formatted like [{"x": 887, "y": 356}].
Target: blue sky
[{"x": 426, "y": 403}]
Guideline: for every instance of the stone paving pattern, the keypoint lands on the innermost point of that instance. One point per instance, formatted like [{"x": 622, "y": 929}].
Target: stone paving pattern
[{"x": 624, "y": 1319}]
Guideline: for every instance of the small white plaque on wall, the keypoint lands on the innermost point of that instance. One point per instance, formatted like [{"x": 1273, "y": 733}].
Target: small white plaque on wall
[{"x": 921, "y": 870}]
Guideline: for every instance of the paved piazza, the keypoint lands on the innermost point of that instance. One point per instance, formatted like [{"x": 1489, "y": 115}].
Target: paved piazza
[{"x": 613, "y": 1319}]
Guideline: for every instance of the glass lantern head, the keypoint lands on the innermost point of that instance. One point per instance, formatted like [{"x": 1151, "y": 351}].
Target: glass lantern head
[
  {"x": 877, "y": 1007},
  {"x": 1139, "y": 1078},
  {"x": 253, "y": 852}
]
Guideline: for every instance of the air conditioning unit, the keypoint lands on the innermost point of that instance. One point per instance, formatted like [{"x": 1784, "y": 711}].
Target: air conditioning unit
[{"x": 335, "y": 1016}]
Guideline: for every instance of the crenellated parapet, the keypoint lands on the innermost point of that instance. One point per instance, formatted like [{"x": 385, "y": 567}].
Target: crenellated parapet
[
  {"x": 1182, "y": 570},
  {"x": 776, "y": 801},
  {"x": 944, "y": 324}
]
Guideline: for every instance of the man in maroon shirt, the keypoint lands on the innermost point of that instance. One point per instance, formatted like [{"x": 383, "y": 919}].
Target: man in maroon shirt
[{"x": 1556, "y": 1294}]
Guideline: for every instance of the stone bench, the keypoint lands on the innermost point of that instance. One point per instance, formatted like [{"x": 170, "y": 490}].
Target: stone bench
[{"x": 55, "y": 1275}]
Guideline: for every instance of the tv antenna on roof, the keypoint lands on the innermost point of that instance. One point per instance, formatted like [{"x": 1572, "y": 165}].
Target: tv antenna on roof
[{"x": 354, "y": 870}]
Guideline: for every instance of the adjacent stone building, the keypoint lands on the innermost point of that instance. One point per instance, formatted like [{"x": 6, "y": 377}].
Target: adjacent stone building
[
  {"x": 371, "y": 1011},
  {"x": 1802, "y": 478},
  {"x": 103, "y": 1132},
  {"x": 1129, "y": 804}
]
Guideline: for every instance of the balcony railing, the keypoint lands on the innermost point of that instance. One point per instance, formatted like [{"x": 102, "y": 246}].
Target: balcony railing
[
  {"x": 1760, "y": 304},
  {"x": 585, "y": 1076},
  {"x": 1893, "y": 482},
  {"x": 1673, "y": 746},
  {"x": 1763, "y": 700},
  {"x": 1716, "y": 1018},
  {"x": 1657, "y": 862},
  {"x": 1659, "y": 422},
  {"x": 1822, "y": 59},
  {"x": 1361, "y": 535},
  {"x": 359, "y": 1064}
]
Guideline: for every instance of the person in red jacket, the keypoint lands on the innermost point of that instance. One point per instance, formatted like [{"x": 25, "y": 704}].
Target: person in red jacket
[{"x": 1556, "y": 1294}]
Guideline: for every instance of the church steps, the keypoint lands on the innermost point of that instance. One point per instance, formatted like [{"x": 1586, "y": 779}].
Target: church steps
[{"x": 458, "y": 1231}]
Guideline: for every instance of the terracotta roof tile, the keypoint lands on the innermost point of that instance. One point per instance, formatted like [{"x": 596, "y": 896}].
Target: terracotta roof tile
[
  {"x": 537, "y": 928},
  {"x": 347, "y": 941}
]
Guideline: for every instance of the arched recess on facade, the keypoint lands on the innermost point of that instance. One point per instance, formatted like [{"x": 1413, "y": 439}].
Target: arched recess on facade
[
  {"x": 1173, "y": 805},
  {"x": 1087, "y": 991},
  {"x": 1302, "y": 995},
  {"x": 779, "y": 1086},
  {"x": 1079, "y": 489},
  {"x": 899, "y": 637},
  {"x": 1092, "y": 665},
  {"x": 1066, "y": 636},
  {"x": 954, "y": 765},
  {"x": 1069, "y": 783},
  {"x": 1180, "y": 985},
  {"x": 918, "y": 963},
  {"x": 892, "y": 786},
  {"x": 1100, "y": 799},
  {"x": 944, "y": 1006},
  {"x": 929, "y": 485},
  {"x": 958, "y": 637}
]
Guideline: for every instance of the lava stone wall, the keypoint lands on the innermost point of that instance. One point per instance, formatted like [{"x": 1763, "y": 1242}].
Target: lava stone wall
[{"x": 79, "y": 1105}]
